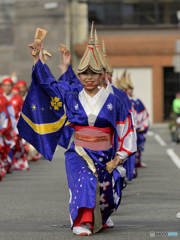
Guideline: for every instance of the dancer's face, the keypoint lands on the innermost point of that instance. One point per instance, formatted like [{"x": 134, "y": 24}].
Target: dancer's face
[
  {"x": 90, "y": 80},
  {"x": 7, "y": 87},
  {"x": 23, "y": 89},
  {"x": 129, "y": 92},
  {"x": 108, "y": 75}
]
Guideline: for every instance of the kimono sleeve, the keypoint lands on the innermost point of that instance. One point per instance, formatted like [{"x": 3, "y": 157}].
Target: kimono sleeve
[
  {"x": 3, "y": 122},
  {"x": 69, "y": 76},
  {"x": 70, "y": 81},
  {"x": 5, "y": 125},
  {"x": 65, "y": 84},
  {"x": 142, "y": 117},
  {"x": 126, "y": 134},
  {"x": 43, "y": 114}
]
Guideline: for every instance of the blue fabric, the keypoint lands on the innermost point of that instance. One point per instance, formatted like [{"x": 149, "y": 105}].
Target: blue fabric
[
  {"x": 3, "y": 113},
  {"x": 65, "y": 137},
  {"x": 43, "y": 112},
  {"x": 129, "y": 166},
  {"x": 72, "y": 75},
  {"x": 67, "y": 131},
  {"x": 10, "y": 153},
  {"x": 139, "y": 107},
  {"x": 69, "y": 76},
  {"x": 123, "y": 97},
  {"x": 70, "y": 80},
  {"x": 130, "y": 162},
  {"x": 81, "y": 180},
  {"x": 141, "y": 138}
]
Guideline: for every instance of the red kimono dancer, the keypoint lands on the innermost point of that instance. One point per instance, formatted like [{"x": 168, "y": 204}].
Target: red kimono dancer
[
  {"x": 6, "y": 138},
  {"x": 1, "y": 90},
  {"x": 19, "y": 153}
]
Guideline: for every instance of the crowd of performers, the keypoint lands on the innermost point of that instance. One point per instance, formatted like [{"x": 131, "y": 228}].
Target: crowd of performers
[
  {"x": 107, "y": 122},
  {"x": 14, "y": 151}
]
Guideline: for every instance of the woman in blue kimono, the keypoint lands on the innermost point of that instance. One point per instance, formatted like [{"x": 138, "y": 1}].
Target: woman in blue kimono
[
  {"x": 104, "y": 138},
  {"x": 69, "y": 75}
]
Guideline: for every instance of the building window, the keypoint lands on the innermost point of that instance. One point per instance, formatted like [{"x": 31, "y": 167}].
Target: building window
[
  {"x": 6, "y": 22},
  {"x": 134, "y": 12}
]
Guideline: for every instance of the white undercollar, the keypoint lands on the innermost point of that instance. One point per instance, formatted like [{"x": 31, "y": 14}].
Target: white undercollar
[
  {"x": 109, "y": 86},
  {"x": 92, "y": 100},
  {"x": 8, "y": 97}
]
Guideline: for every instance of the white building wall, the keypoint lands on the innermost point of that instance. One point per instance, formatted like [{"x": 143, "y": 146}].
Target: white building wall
[{"x": 142, "y": 81}]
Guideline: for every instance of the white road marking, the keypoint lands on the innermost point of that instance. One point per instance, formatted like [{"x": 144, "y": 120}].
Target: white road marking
[
  {"x": 160, "y": 140},
  {"x": 150, "y": 133},
  {"x": 174, "y": 157},
  {"x": 157, "y": 137},
  {"x": 170, "y": 151}
]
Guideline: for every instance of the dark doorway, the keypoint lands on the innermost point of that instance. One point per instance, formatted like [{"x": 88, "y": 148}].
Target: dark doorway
[{"x": 171, "y": 87}]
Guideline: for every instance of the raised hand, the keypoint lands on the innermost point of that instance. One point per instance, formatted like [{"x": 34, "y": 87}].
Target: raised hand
[
  {"x": 63, "y": 67},
  {"x": 35, "y": 50},
  {"x": 66, "y": 58},
  {"x": 41, "y": 54}
]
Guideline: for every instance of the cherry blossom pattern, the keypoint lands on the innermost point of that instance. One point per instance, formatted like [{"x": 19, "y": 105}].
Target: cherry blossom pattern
[
  {"x": 102, "y": 198},
  {"x": 104, "y": 185},
  {"x": 103, "y": 206},
  {"x": 56, "y": 103},
  {"x": 110, "y": 106}
]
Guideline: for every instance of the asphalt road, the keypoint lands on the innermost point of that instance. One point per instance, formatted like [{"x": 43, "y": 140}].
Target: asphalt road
[{"x": 34, "y": 203}]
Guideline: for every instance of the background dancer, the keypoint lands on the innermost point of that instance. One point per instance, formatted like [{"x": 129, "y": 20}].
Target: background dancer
[
  {"x": 19, "y": 154},
  {"x": 23, "y": 88},
  {"x": 6, "y": 138},
  {"x": 142, "y": 122}
]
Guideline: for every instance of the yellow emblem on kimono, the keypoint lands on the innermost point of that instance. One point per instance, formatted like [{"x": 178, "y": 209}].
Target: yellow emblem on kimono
[{"x": 56, "y": 103}]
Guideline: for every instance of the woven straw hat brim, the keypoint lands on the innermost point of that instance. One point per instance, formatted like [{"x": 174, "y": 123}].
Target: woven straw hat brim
[
  {"x": 90, "y": 60},
  {"x": 129, "y": 82},
  {"x": 109, "y": 68},
  {"x": 103, "y": 62},
  {"x": 98, "y": 49},
  {"x": 123, "y": 84}
]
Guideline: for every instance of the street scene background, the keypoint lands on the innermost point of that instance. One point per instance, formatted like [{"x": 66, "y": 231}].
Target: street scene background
[{"x": 141, "y": 36}]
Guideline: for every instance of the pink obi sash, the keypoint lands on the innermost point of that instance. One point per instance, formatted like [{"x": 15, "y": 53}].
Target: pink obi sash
[{"x": 92, "y": 138}]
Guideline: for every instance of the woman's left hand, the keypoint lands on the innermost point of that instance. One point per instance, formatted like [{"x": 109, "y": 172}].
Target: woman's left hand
[
  {"x": 117, "y": 160},
  {"x": 110, "y": 166}
]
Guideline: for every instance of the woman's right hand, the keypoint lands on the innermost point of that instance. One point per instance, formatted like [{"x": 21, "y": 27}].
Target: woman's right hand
[{"x": 35, "y": 50}]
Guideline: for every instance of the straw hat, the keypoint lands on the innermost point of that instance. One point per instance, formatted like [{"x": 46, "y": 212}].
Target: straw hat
[
  {"x": 122, "y": 82},
  {"x": 129, "y": 82},
  {"x": 90, "y": 58},
  {"x": 109, "y": 67},
  {"x": 102, "y": 59}
]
